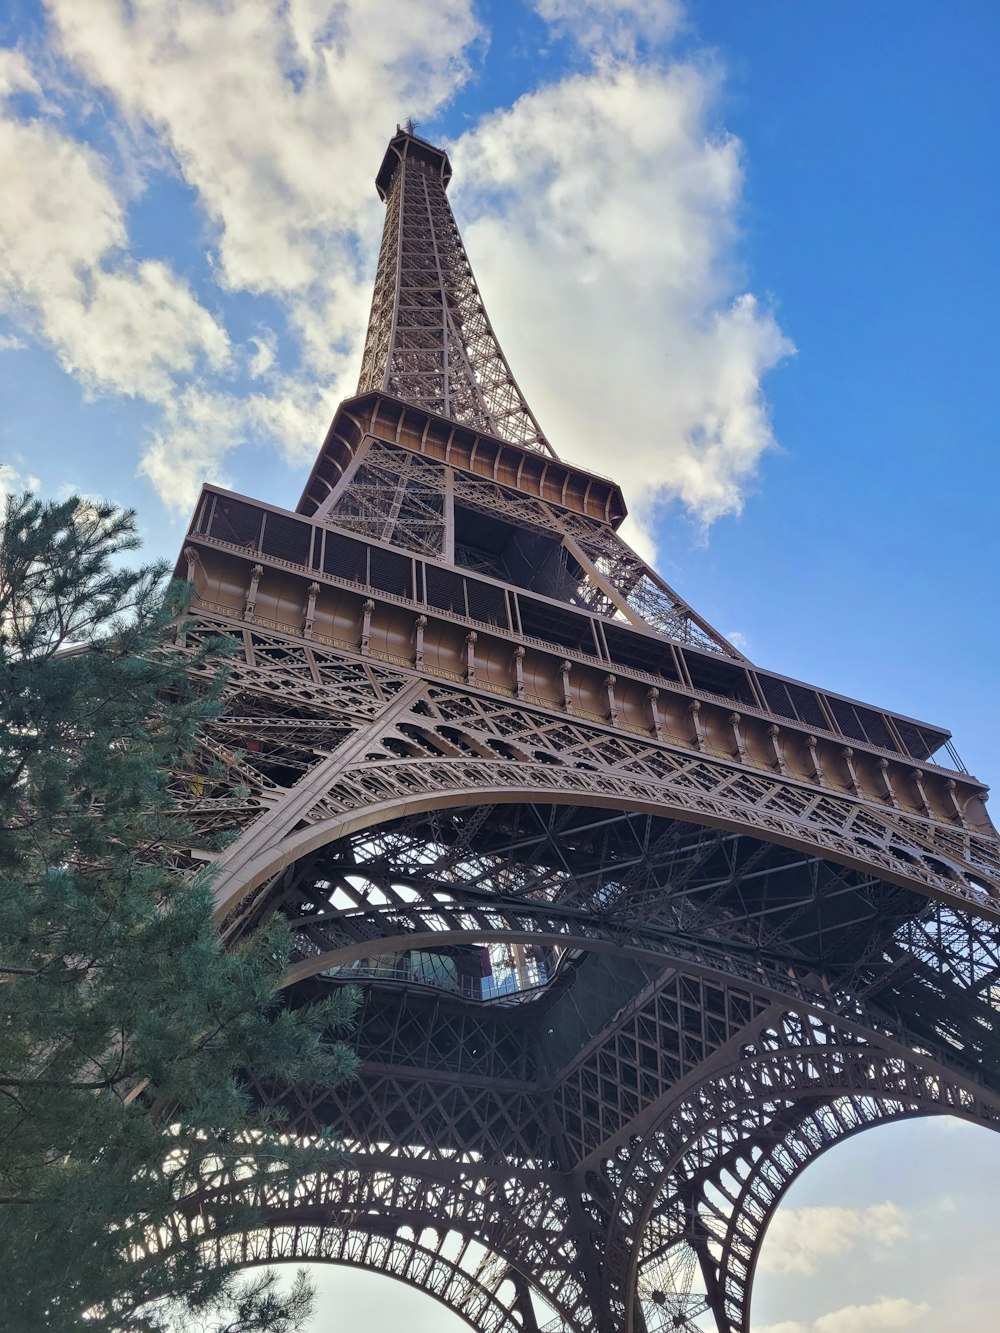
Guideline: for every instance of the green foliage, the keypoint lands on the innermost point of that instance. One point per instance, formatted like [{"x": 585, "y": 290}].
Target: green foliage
[
  {"x": 125, "y": 1031},
  {"x": 254, "y": 1304}
]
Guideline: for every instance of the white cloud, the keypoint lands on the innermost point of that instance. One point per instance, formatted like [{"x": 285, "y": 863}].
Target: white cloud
[
  {"x": 603, "y": 228},
  {"x": 265, "y": 351},
  {"x": 200, "y": 427},
  {"x": 276, "y": 114},
  {"x": 117, "y": 325},
  {"x": 799, "y": 1240},
  {"x": 604, "y": 225},
  {"x": 15, "y": 74},
  {"x": 887, "y": 1313},
  {"x": 198, "y": 430},
  {"x": 9, "y": 342},
  {"x": 12, "y": 481},
  {"x": 612, "y": 27}
]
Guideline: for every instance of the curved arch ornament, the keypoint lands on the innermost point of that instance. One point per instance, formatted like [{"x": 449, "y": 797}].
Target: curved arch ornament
[
  {"x": 474, "y": 1242},
  {"x": 708, "y": 1179},
  {"x": 740, "y": 1225},
  {"x": 473, "y": 1292},
  {"x": 352, "y": 789},
  {"x": 640, "y": 928}
]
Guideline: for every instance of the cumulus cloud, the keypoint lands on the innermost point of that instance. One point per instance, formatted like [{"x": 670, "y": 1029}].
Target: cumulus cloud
[
  {"x": 198, "y": 430},
  {"x": 16, "y": 75},
  {"x": 799, "y": 1240},
  {"x": 275, "y": 114},
  {"x": 603, "y": 227},
  {"x": 612, "y": 27},
  {"x": 887, "y": 1313},
  {"x": 118, "y": 325},
  {"x": 600, "y": 210},
  {"x": 264, "y": 354},
  {"x": 12, "y": 481},
  {"x": 201, "y": 427}
]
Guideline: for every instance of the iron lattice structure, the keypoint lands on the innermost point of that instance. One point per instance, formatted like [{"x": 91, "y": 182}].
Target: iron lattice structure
[{"x": 641, "y": 928}]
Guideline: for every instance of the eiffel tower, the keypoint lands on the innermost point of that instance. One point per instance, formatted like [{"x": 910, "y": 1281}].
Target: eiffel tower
[{"x": 641, "y": 928}]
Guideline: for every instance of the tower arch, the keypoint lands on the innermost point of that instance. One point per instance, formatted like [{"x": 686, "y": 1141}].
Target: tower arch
[{"x": 480, "y": 1290}]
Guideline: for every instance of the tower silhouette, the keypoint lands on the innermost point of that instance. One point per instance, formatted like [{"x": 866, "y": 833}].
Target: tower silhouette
[{"x": 641, "y": 928}]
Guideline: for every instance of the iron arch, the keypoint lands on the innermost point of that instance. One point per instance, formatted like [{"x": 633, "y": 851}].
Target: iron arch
[
  {"x": 393, "y": 789},
  {"x": 472, "y": 1296},
  {"x": 704, "y": 1168}
]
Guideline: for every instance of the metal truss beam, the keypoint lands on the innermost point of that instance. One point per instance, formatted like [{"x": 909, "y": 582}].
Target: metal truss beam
[
  {"x": 640, "y": 929},
  {"x": 430, "y": 340},
  {"x": 774, "y": 951}
]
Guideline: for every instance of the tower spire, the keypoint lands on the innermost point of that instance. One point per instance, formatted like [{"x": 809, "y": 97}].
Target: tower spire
[{"x": 430, "y": 341}]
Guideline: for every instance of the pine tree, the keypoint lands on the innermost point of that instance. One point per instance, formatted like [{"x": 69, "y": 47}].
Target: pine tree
[{"x": 124, "y": 1028}]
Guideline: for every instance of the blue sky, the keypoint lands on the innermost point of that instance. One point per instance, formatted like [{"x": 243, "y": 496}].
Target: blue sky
[{"x": 741, "y": 256}]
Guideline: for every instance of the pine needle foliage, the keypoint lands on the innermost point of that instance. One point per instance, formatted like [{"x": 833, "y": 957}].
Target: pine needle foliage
[{"x": 126, "y": 1033}]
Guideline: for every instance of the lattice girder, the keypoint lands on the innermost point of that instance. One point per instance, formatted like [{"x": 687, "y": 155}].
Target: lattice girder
[
  {"x": 391, "y": 493},
  {"x": 350, "y": 688},
  {"x": 647, "y": 1199},
  {"x": 667, "y": 1185},
  {"x": 640, "y": 928},
  {"x": 416, "y": 1265},
  {"x": 512, "y": 1225},
  {"x": 736, "y": 1205},
  {"x": 532, "y": 625},
  {"x": 364, "y": 781},
  {"x": 362, "y": 766},
  {"x": 413, "y": 1248},
  {"x": 855, "y": 1051},
  {"x": 430, "y": 340}
]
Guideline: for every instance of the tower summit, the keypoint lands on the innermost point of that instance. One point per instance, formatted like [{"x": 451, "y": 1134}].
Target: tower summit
[
  {"x": 641, "y": 928},
  {"x": 430, "y": 340}
]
